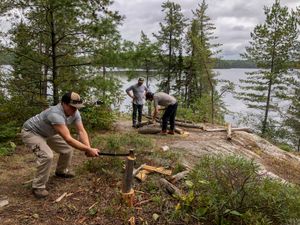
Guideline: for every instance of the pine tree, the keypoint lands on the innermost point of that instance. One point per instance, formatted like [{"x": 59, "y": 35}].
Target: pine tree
[
  {"x": 200, "y": 77},
  {"x": 169, "y": 40},
  {"x": 270, "y": 49},
  {"x": 68, "y": 40}
]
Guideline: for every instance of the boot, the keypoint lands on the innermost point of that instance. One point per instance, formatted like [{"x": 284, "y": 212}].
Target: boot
[
  {"x": 171, "y": 132},
  {"x": 65, "y": 174},
  {"x": 163, "y": 132},
  {"x": 40, "y": 192}
]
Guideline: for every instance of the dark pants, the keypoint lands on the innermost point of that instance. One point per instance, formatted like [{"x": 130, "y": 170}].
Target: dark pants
[
  {"x": 169, "y": 115},
  {"x": 137, "y": 109}
]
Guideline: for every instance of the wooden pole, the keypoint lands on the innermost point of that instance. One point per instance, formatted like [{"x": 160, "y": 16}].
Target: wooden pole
[{"x": 127, "y": 191}]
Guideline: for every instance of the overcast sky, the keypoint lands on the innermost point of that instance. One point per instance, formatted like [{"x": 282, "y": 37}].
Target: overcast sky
[{"x": 234, "y": 19}]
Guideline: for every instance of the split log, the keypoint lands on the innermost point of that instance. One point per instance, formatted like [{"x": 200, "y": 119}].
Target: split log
[
  {"x": 142, "y": 175},
  {"x": 169, "y": 188},
  {"x": 161, "y": 170},
  {"x": 135, "y": 171},
  {"x": 177, "y": 177},
  {"x": 229, "y": 131},
  {"x": 127, "y": 191},
  {"x": 232, "y": 129}
]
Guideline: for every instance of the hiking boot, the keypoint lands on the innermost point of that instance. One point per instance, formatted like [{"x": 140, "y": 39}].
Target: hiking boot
[
  {"x": 163, "y": 132},
  {"x": 65, "y": 174},
  {"x": 171, "y": 132},
  {"x": 40, "y": 192}
]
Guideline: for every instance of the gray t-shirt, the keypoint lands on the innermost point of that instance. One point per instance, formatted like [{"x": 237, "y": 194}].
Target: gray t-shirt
[
  {"x": 138, "y": 93},
  {"x": 42, "y": 124},
  {"x": 163, "y": 99}
]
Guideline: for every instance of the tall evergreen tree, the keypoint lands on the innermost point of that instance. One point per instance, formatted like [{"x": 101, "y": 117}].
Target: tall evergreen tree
[
  {"x": 270, "y": 49},
  {"x": 169, "y": 40},
  {"x": 200, "y": 77},
  {"x": 146, "y": 58}
]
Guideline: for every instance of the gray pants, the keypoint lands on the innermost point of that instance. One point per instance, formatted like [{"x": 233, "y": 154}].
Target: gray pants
[{"x": 41, "y": 147}]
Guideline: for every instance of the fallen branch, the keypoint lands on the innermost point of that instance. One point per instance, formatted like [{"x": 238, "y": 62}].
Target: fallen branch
[
  {"x": 143, "y": 202},
  {"x": 177, "y": 177},
  {"x": 169, "y": 188},
  {"x": 232, "y": 129}
]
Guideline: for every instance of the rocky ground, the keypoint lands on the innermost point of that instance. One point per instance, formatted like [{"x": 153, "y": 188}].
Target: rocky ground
[{"x": 93, "y": 199}]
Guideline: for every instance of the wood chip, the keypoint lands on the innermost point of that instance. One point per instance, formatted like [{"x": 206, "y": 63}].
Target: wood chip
[
  {"x": 142, "y": 175},
  {"x": 61, "y": 197}
]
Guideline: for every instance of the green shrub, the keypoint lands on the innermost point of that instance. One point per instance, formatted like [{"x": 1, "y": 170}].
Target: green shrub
[
  {"x": 8, "y": 131},
  {"x": 7, "y": 148},
  {"x": 229, "y": 190},
  {"x": 98, "y": 117}
]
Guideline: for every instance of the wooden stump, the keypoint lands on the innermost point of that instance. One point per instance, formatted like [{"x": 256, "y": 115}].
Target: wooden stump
[{"x": 127, "y": 191}]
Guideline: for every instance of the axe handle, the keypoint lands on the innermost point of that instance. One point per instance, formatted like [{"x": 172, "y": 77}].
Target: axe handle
[{"x": 113, "y": 154}]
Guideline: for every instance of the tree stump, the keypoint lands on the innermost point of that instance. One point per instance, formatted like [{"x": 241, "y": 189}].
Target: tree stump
[{"x": 127, "y": 191}]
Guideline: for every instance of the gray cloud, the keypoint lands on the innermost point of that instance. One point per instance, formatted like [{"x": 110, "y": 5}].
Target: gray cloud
[{"x": 234, "y": 19}]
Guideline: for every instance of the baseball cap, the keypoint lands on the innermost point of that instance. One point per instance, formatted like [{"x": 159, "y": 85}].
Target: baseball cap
[
  {"x": 72, "y": 99},
  {"x": 141, "y": 79}
]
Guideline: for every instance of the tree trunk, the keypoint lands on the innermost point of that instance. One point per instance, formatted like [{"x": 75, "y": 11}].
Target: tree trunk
[
  {"x": 264, "y": 127},
  {"x": 53, "y": 57}
]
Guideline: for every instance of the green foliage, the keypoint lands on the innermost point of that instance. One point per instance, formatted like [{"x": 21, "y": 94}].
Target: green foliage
[
  {"x": 170, "y": 44},
  {"x": 229, "y": 190},
  {"x": 271, "y": 49},
  {"x": 201, "y": 110},
  {"x": 98, "y": 117},
  {"x": 8, "y": 131},
  {"x": 7, "y": 148}
]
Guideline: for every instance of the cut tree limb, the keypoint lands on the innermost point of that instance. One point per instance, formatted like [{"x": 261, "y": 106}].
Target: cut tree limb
[
  {"x": 169, "y": 188},
  {"x": 177, "y": 177},
  {"x": 229, "y": 131}
]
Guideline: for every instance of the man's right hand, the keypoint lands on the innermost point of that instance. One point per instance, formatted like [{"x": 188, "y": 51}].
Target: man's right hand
[{"x": 92, "y": 152}]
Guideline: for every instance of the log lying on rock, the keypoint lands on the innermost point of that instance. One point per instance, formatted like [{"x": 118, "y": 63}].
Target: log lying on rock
[
  {"x": 247, "y": 129},
  {"x": 181, "y": 124},
  {"x": 169, "y": 188}
]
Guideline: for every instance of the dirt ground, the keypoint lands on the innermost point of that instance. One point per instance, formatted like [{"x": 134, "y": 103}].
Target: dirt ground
[{"x": 95, "y": 199}]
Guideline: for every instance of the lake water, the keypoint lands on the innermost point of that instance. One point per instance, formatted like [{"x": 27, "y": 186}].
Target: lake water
[{"x": 234, "y": 105}]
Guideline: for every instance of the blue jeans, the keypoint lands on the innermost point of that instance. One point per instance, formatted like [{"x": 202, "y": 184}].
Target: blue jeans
[{"x": 137, "y": 109}]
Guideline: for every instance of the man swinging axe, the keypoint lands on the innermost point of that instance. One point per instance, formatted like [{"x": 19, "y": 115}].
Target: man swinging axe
[{"x": 48, "y": 131}]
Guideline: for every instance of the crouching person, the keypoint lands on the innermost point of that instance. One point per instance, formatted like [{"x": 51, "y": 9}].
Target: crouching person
[
  {"x": 48, "y": 131},
  {"x": 170, "y": 104}
]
